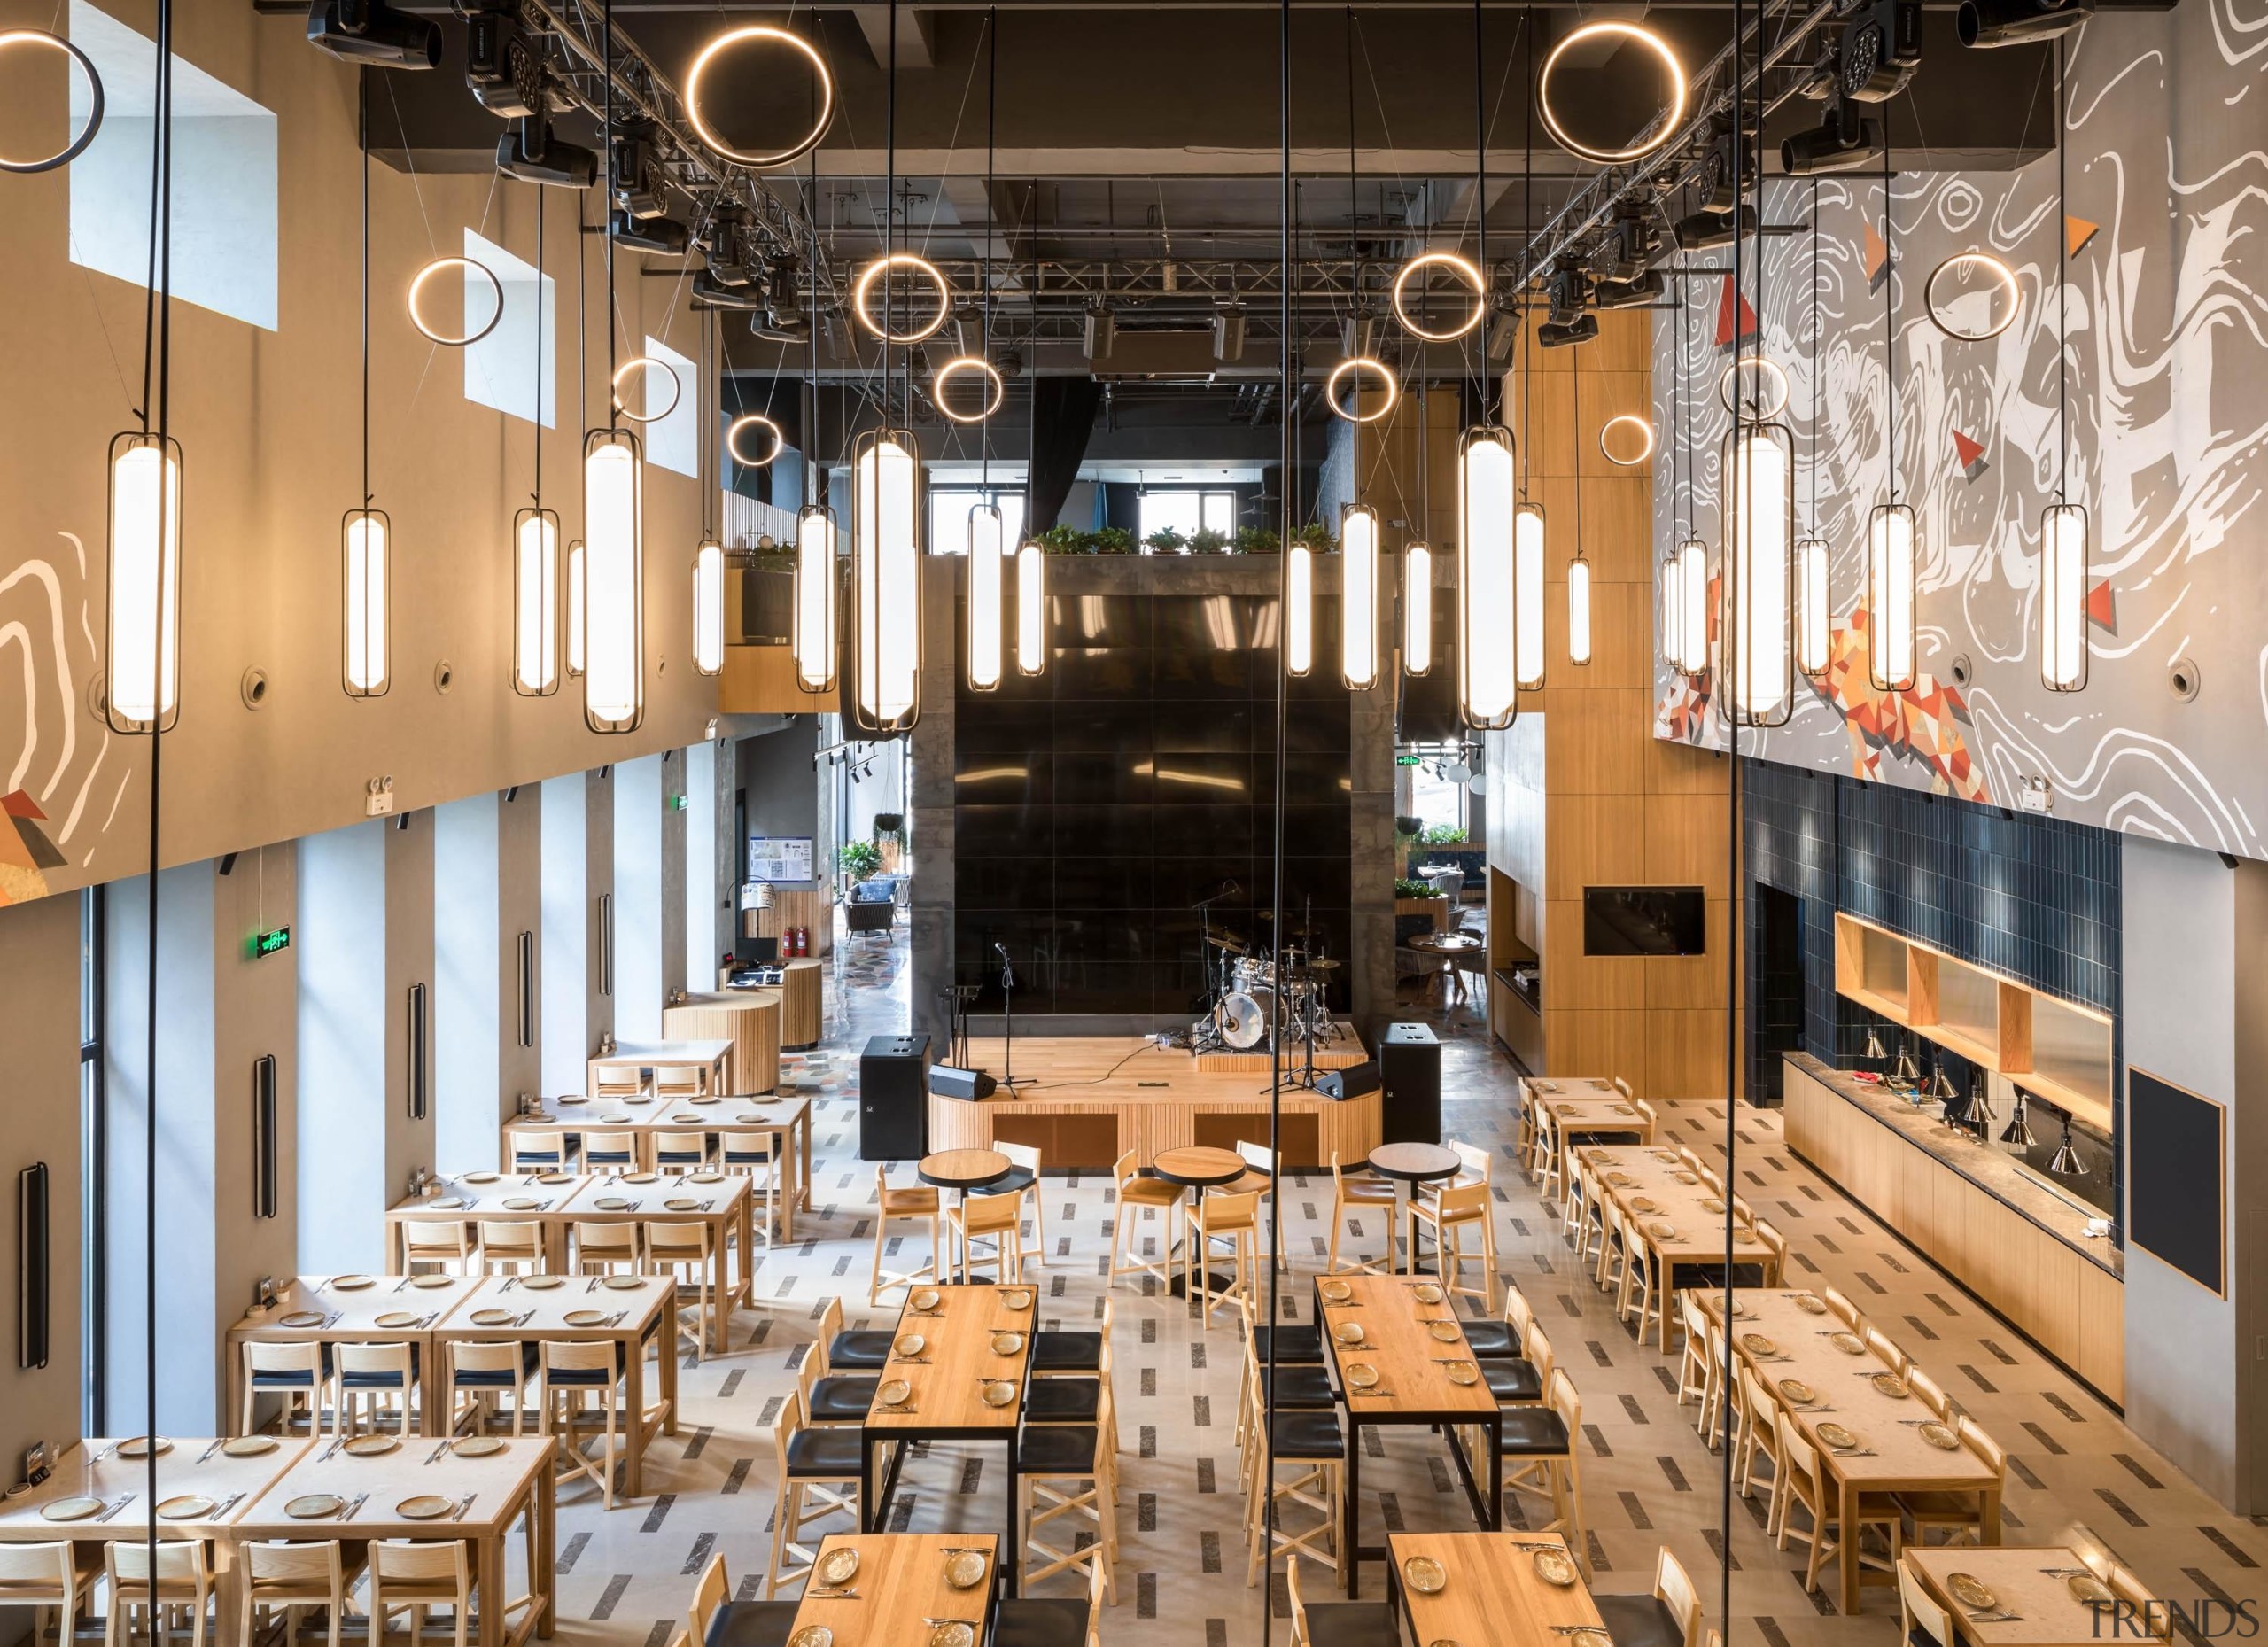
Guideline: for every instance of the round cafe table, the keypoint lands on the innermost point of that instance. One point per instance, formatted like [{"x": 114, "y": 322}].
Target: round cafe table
[
  {"x": 963, "y": 1170},
  {"x": 1413, "y": 1164},
  {"x": 1200, "y": 1167}
]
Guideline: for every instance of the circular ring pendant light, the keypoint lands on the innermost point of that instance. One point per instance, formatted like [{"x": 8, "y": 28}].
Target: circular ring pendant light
[
  {"x": 77, "y": 146},
  {"x": 648, "y": 364},
  {"x": 874, "y": 273},
  {"x": 1465, "y": 270},
  {"x": 726, "y": 42},
  {"x": 1757, "y": 379},
  {"x": 1617, "y": 435},
  {"x": 1966, "y": 274},
  {"x": 442, "y": 265},
  {"x": 1376, "y": 369},
  {"x": 1665, "y": 129},
  {"x": 996, "y": 387},
  {"x": 753, "y": 419}
]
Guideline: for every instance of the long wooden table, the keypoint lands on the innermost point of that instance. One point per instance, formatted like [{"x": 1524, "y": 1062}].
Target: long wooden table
[
  {"x": 706, "y": 1058},
  {"x": 1590, "y": 1104},
  {"x": 1413, "y": 1385},
  {"x": 1891, "y": 1456},
  {"x": 331, "y": 1310},
  {"x": 1494, "y": 1590},
  {"x": 788, "y": 1119},
  {"x": 900, "y": 1589},
  {"x": 2049, "y": 1614},
  {"x": 1654, "y": 1188}
]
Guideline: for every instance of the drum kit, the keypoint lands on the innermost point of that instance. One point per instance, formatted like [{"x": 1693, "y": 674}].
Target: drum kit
[{"x": 1243, "y": 992}]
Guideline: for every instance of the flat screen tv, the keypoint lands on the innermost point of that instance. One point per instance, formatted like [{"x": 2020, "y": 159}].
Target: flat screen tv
[{"x": 1644, "y": 920}]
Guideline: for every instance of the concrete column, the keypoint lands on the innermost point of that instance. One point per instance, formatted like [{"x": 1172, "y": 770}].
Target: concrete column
[
  {"x": 470, "y": 957},
  {"x": 648, "y": 892}
]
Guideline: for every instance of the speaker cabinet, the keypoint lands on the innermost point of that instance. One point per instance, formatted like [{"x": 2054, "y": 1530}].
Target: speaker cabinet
[
  {"x": 893, "y": 1097},
  {"x": 947, "y": 1082},
  {"x": 1355, "y": 1081},
  {"x": 1409, "y": 1069}
]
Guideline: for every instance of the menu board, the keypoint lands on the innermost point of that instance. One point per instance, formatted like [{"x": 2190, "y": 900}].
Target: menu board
[
  {"x": 780, "y": 858},
  {"x": 2176, "y": 1209}
]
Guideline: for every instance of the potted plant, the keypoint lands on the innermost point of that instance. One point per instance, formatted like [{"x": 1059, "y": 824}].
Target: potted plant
[
  {"x": 1112, "y": 541},
  {"x": 1206, "y": 541},
  {"x": 1165, "y": 541},
  {"x": 1257, "y": 541},
  {"x": 858, "y": 859},
  {"x": 1063, "y": 540}
]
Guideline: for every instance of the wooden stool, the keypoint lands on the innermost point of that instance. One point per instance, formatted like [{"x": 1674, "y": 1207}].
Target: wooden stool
[
  {"x": 579, "y": 1388},
  {"x": 294, "y": 1371},
  {"x": 997, "y": 1218},
  {"x": 417, "y": 1577},
  {"x": 292, "y": 1578},
  {"x": 381, "y": 1374},
  {"x": 177, "y": 1598},
  {"x": 920, "y": 1202},
  {"x": 1347, "y": 1196},
  {"x": 59, "y": 1578},
  {"x": 680, "y": 1249},
  {"x": 1232, "y": 1218},
  {"x": 480, "y": 1374},
  {"x": 820, "y": 1474},
  {"x": 1457, "y": 1208},
  {"x": 1143, "y": 1195}
]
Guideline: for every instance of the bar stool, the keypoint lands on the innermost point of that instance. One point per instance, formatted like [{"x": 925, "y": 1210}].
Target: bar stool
[
  {"x": 820, "y": 1474},
  {"x": 1023, "y": 1179},
  {"x": 604, "y": 1246},
  {"x": 448, "y": 1245},
  {"x": 834, "y": 1397},
  {"x": 683, "y": 1250},
  {"x": 1150, "y": 1197},
  {"x": 679, "y": 1148},
  {"x": 510, "y": 1246},
  {"x": 178, "y": 1598},
  {"x": 1338, "y": 1623},
  {"x": 417, "y": 1577},
  {"x": 1669, "y": 1616},
  {"x": 996, "y": 1218},
  {"x": 1348, "y": 1195},
  {"x": 581, "y": 1382},
  {"x": 860, "y": 1351},
  {"x": 1065, "y": 1471},
  {"x": 1539, "y": 1442},
  {"x": 297, "y": 1372},
  {"x": 1231, "y": 1218},
  {"x": 289, "y": 1578},
  {"x": 378, "y": 1374},
  {"x": 604, "y": 1150},
  {"x": 1049, "y": 1621},
  {"x": 744, "y": 1149},
  {"x": 1449, "y": 1215},
  {"x": 710, "y": 1592},
  {"x": 920, "y": 1203},
  {"x": 58, "y": 1578},
  {"x": 480, "y": 1375},
  {"x": 1313, "y": 1446}
]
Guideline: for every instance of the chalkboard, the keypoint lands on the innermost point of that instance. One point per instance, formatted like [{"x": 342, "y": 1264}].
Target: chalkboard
[{"x": 2176, "y": 1177}]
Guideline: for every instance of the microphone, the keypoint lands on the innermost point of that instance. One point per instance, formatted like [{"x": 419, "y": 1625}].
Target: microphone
[{"x": 1001, "y": 950}]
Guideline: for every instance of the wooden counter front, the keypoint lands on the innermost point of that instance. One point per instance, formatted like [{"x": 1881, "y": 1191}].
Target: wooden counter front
[
  {"x": 1084, "y": 1101},
  {"x": 749, "y": 1019}
]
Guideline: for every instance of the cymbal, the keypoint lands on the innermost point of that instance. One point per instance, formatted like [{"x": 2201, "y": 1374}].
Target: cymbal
[
  {"x": 1320, "y": 966},
  {"x": 1235, "y": 947}
]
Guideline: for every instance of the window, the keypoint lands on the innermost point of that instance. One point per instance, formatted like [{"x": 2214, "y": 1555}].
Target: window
[
  {"x": 500, "y": 370},
  {"x": 1186, "y": 513},
  {"x": 224, "y": 176},
  {"x": 93, "y": 1220},
  {"x": 673, "y": 442},
  {"x": 1437, "y": 799},
  {"x": 949, "y": 517}
]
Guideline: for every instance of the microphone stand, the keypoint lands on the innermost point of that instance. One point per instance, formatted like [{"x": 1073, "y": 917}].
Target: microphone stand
[{"x": 1008, "y": 992}]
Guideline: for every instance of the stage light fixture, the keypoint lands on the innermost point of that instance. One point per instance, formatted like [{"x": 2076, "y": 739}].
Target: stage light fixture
[
  {"x": 373, "y": 34},
  {"x": 532, "y": 155},
  {"x": 1527, "y": 597},
  {"x": 1417, "y": 610},
  {"x": 1814, "y": 607},
  {"x": 1358, "y": 596},
  {"x": 987, "y": 596},
  {"x": 709, "y": 292},
  {"x": 664, "y": 236},
  {"x": 1843, "y": 141},
  {"x": 1099, "y": 330},
  {"x": 1360, "y": 366},
  {"x": 1892, "y": 552},
  {"x": 817, "y": 630},
  {"x": 1465, "y": 270},
  {"x": 877, "y": 270},
  {"x": 1228, "y": 332},
  {"x": 635, "y": 176},
  {"x": 613, "y": 581},
  {"x": 1880, "y": 50},
  {"x": 575, "y": 560},
  {"x": 886, "y": 516},
  {"x": 1031, "y": 608},
  {"x": 535, "y": 603},
  {"x": 708, "y": 608},
  {"x": 1759, "y": 464},
  {"x": 1665, "y": 123},
  {"x": 1640, "y": 291},
  {"x": 143, "y": 694},
  {"x": 505, "y": 76},
  {"x": 1560, "y": 334},
  {"x": 1711, "y": 231},
  {"x": 34, "y": 39},
  {"x": 758, "y": 33},
  {"x": 1693, "y": 603},
  {"x": 1988, "y": 23},
  {"x": 367, "y": 563},
  {"x": 1486, "y": 597},
  {"x": 996, "y": 388}
]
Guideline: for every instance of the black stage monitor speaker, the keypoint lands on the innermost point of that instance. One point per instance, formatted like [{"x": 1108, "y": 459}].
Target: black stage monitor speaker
[
  {"x": 1410, "y": 1062},
  {"x": 893, "y": 1111},
  {"x": 947, "y": 1082},
  {"x": 1355, "y": 1081}
]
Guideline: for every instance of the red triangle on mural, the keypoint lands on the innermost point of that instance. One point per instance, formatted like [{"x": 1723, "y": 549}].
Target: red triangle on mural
[
  {"x": 1725, "y": 311},
  {"x": 2102, "y": 610},
  {"x": 1967, "y": 450},
  {"x": 2077, "y": 232},
  {"x": 17, "y": 803},
  {"x": 1877, "y": 257}
]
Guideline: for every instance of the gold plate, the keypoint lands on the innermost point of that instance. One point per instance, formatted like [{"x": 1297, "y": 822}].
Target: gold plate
[
  {"x": 1362, "y": 1376},
  {"x": 1347, "y": 1332},
  {"x": 1015, "y": 1298},
  {"x": 1585, "y": 1636},
  {"x": 1427, "y": 1293},
  {"x": 704, "y": 1177},
  {"x": 1835, "y": 1436},
  {"x": 428, "y": 1283},
  {"x": 185, "y": 1507},
  {"x": 642, "y": 1177},
  {"x": 1742, "y": 1312},
  {"x": 304, "y": 1318},
  {"x": 543, "y": 1283},
  {"x": 1889, "y": 1383},
  {"x": 965, "y": 1569},
  {"x": 1757, "y": 1344},
  {"x": 249, "y": 1445},
  {"x": 1335, "y": 1292},
  {"x": 1667, "y": 1157},
  {"x": 1553, "y": 1567},
  {"x": 521, "y": 1203},
  {"x": 681, "y": 1203},
  {"x": 1644, "y": 1203},
  {"x": 1685, "y": 1177},
  {"x": 313, "y": 1506},
  {"x": 1799, "y": 1391},
  {"x": 893, "y": 1393},
  {"x": 492, "y": 1317},
  {"x": 1425, "y": 1575},
  {"x": 354, "y": 1283},
  {"x": 813, "y": 1636},
  {"x": 1007, "y": 1343},
  {"x": 399, "y": 1318},
  {"x": 908, "y": 1345},
  {"x": 424, "y": 1507},
  {"x": 584, "y": 1317},
  {"x": 1849, "y": 1343},
  {"x": 1939, "y": 1436},
  {"x": 2086, "y": 1588},
  {"x": 369, "y": 1446},
  {"x": 952, "y": 1633},
  {"x": 838, "y": 1566},
  {"x": 999, "y": 1393},
  {"x": 614, "y": 1203},
  {"x": 1461, "y": 1372},
  {"x": 479, "y": 1446},
  {"x": 1710, "y": 1203},
  {"x": 448, "y": 1203},
  {"x": 927, "y": 1299},
  {"x": 1811, "y": 1304},
  {"x": 1620, "y": 1180},
  {"x": 685, "y": 1118},
  {"x": 1662, "y": 1229},
  {"x": 141, "y": 1446},
  {"x": 622, "y": 1283},
  {"x": 1969, "y": 1591},
  {"x": 1444, "y": 1331},
  {"x": 482, "y": 1177},
  {"x": 70, "y": 1508}
]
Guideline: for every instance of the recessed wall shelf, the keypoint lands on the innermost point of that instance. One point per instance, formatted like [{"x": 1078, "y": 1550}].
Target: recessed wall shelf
[{"x": 2042, "y": 1043}]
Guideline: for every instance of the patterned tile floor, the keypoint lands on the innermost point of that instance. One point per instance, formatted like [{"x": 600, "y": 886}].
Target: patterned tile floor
[{"x": 1647, "y": 1479}]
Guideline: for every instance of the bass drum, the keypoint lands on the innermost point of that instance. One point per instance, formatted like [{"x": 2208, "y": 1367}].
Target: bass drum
[{"x": 1243, "y": 1018}]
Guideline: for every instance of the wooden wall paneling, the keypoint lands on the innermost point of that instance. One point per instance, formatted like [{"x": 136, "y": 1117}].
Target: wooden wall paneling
[
  {"x": 1921, "y": 987},
  {"x": 1617, "y": 529},
  {"x": 1680, "y": 769},
  {"x": 2016, "y": 1028},
  {"x": 1685, "y": 1053},
  {"x": 1685, "y": 843},
  {"x": 1595, "y": 742},
  {"x": 1687, "y": 983},
  {"x": 1593, "y": 840},
  {"x": 1593, "y": 982},
  {"x": 1577, "y": 1040}
]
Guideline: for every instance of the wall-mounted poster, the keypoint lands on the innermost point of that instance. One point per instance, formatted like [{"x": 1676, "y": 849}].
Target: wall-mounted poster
[{"x": 780, "y": 858}]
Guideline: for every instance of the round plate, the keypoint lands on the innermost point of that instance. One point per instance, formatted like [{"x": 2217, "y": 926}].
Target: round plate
[
  {"x": 304, "y": 1318},
  {"x": 572, "y": 1097},
  {"x": 370, "y": 1446},
  {"x": 1443, "y": 1331},
  {"x": 894, "y": 1392},
  {"x": 424, "y": 1507},
  {"x": 1335, "y": 1292},
  {"x": 1799, "y": 1391},
  {"x": 1685, "y": 1177},
  {"x": 685, "y": 1117},
  {"x": 1662, "y": 1229},
  {"x": 448, "y": 1203},
  {"x": 479, "y": 1446},
  {"x": 838, "y": 1566},
  {"x": 543, "y": 1283},
  {"x": 966, "y": 1569},
  {"x": 681, "y": 1203},
  {"x": 313, "y": 1507},
  {"x": 430, "y": 1283},
  {"x": 2086, "y": 1588},
  {"x": 1362, "y": 1376},
  {"x": 354, "y": 1283},
  {"x": 584, "y": 1317},
  {"x": 185, "y": 1507},
  {"x": 141, "y": 1446},
  {"x": 1015, "y": 1298},
  {"x": 1710, "y": 1203},
  {"x": 492, "y": 1317},
  {"x": 705, "y": 1097},
  {"x": 999, "y": 1393},
  {"x": 1757, "y": 1344},
  {"x": 909, "y": 1345},
  {"x": 813, "y": 1636},
  {"x": 613, "y": 1203},
  {"x": 642, "y": 1177},
  {"x": 1644, "y": 1203},
  {"x": 1849, "y": 1343},
  {"x": 1742, "y": 1312},
  {"x": 557, "y": 1178},
  {"x": 1969, "y": 1591},
  {"x": 1940, "y": 1437},
  {"x": 1810, "y": 1304},
  {"x": 1620, "y": 1180},
  {"x": 1007, "y": 1343},
  {"x": 1427, "y": 1293},
  {"x": 752, "y": 1119},
  {"x": 704, "y": 1177},
  {"x": 1586, "y": 1637},
  {"x": 521, "y": 1203},
  {"x": 482, "y": 1177},
  {"x": 1891, "y": 1385},
  {"x": 1667, "y": 1157},
  {"x": 399, "y": 1318},
  {"x": 1553, "y": 1567},
  {"x": 70, "y": 1508},
  {"x": 1835, "y": 1435},
  {"x": 1347, "y": 1332},
  {"x": 927, "y": 1299},
  {"x": 1461, "y": 1372},
  {"x": 622, "y": 1283},
  {"x": 249, "y": 1445},
  {"x": 1425, "y": 1575},
  {"x": 951, "y": 1633}
]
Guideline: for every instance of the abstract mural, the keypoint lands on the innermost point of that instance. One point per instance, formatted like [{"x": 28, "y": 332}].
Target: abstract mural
[
  {"x": 55, "y": 803},
  {"x": 2150, "y": 299}
]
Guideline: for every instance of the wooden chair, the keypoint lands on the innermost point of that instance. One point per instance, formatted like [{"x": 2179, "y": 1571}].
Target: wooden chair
[
  {"x": 1338, "y": 1623},
  {"x": 1693, "y": 1363},
  {"x": 447, "y": 1244},
  {"x": 56, "y": 1582},
  {"x": 919, "y": 1202},
  {"x": 1757, "y": 1437},
  {"x": 292, "y": 1579},
  {"x": 383, "y": 1376},
  {"x": 1668, "y": 1616},
  {"x": 995, "y": 1218},
  {"x": 1068, "y": 1473},
  {"x": 680, "y": 1081},
  {"x": 294, "y": 1371},
  {"x": 1885, "y": 1348},
  {"x": 1926, "y": 1623},
  {"x": 482, "y": 1378},
  {"x": 1842, "y": 1308},
  {"x": 1640, "y": 1298},
  {"x": 1231, "y": 1218},
  {"x": 1960, "y": 1516},
  {"x": 1775, "y": 1266},
  {"x": 605, "y": 1247},
  {"x": 819, "y": 1473},
  {"x": 1929, "y": 1393},
  {"x": 510, "y": 1246},
  {"x": 1148, "y": 1198},
  {"x": 677, "y": 1149},
  {"x": 2155, "y": 1616},
  {"x": 175, "y": 1601},
  {"x": 831, "y": 1397},
  {"x": 1799, "y": 1464},
  {"x": 605, "y": 1151},
  {"x": 1540, "y": 1445},
  {"x": 1023, "y": 1179},
  {"x": 1613, "y": 1248},
  {"x": 1647, "y": 1112},
  {"x": 710, "y": 1592},
  {"x": 746, "y": 1152},
  {"x": 1449, "y": 1215},
  {"x": 619, "y": 1081},
  {"x": 582, "y": 1403},
  {"x": 1349, "y": 1195},
  {"x": 417, "y": 1577},
  {"x": 1552, "y": 1153},
  {"x": 683, "y": 1250}
]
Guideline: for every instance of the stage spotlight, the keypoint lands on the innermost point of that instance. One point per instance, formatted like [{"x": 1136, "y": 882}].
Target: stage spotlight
[
  {"x": 505, "y": 76},
  {"x": 1556, "y": 334},
  {"x": 1100, "y": 332},
  {"x": 664, "y": 236},
  {"x": 1706, "y": 231},
  {"x": 1228, "y": 332},
  {"x": 1843, "y": 141},
  {"x": 1880, "y": 50},
  {"x": 635, "y": 177},
  {"x": 1986, "y": 23},
  {"x": 708, "y": 292},
  {"x": 372, "y": 33},
  {"x": 1628, "y": 294},
  {"x": 531, "y": 153}
]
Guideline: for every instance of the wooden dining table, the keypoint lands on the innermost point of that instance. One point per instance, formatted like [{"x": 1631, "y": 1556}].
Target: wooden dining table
[
  {"x": 1493, "y": 1590},
  {"x": 2033, "y": 1581},
  {"x": 1406, "y": 1370},
  {"x": 1780, "y": 1337},
  {"x": 1590, "y": 1104},
  {"x": 721, "y": 1200},
  {"x": 788, "y": 1121},
  {"x": 474, "y": 1197},
  {"x": 511, "y": 1485},
  {"x": 1683, "y": 1218},
  {"x": 900, "y": 1591},
  {"x": 331, "y": 1310},
  {"x": 709, "y": 1057}
]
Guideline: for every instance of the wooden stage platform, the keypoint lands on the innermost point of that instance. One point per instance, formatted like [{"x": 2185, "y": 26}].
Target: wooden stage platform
[{"x": 1086, "y": 1101}]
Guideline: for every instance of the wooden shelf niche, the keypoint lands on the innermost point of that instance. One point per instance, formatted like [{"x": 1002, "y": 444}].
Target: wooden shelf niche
[{"x": 2041, "y": 1042}]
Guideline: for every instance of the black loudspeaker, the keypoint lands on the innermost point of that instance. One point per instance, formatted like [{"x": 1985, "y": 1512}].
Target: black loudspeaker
[
  {"x": 893, "y": 1104},
  {"x": 1409, "y": 1062},
  {"x": 947, "y": 1082},
  {"x": 1355, "y": 1081}
]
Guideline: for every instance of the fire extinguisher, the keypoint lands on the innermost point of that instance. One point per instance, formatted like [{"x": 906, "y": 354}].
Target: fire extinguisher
[{"x": 798, "y": 941}]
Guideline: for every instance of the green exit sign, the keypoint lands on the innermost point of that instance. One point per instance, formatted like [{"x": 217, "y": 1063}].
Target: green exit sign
[
  {"x": 1409, "y": 760},
  {"x": 271, "y": 943}
]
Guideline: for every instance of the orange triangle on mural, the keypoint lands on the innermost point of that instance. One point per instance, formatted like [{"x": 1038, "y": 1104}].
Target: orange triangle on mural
[
  {"x": 1877, "y": 257},
  {"x": 2077, "y": 232},
  {"x": 2102, "y": 610},
  {"x": 1967, "y": 450},
  {"x": 1725, "y": 311}
]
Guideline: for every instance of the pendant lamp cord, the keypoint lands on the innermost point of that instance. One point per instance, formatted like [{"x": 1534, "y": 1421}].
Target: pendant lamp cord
[
  {"x": 1815, "y": 357},
  {"x": 1527, "y": 235},
  {"x": 890, "y": 212},
  {"x": 984, "y": 307},
  {"x": 362, "y": 124},
  {"x": 2062, "y": 310},
  {"x": 1888, "y": 324},
  {"x": 606, "y": 51},
  {"x": 1354, "y": 215},
  {"x": 1481, "y": 213},
  {"x": 536, "y": 423}
]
